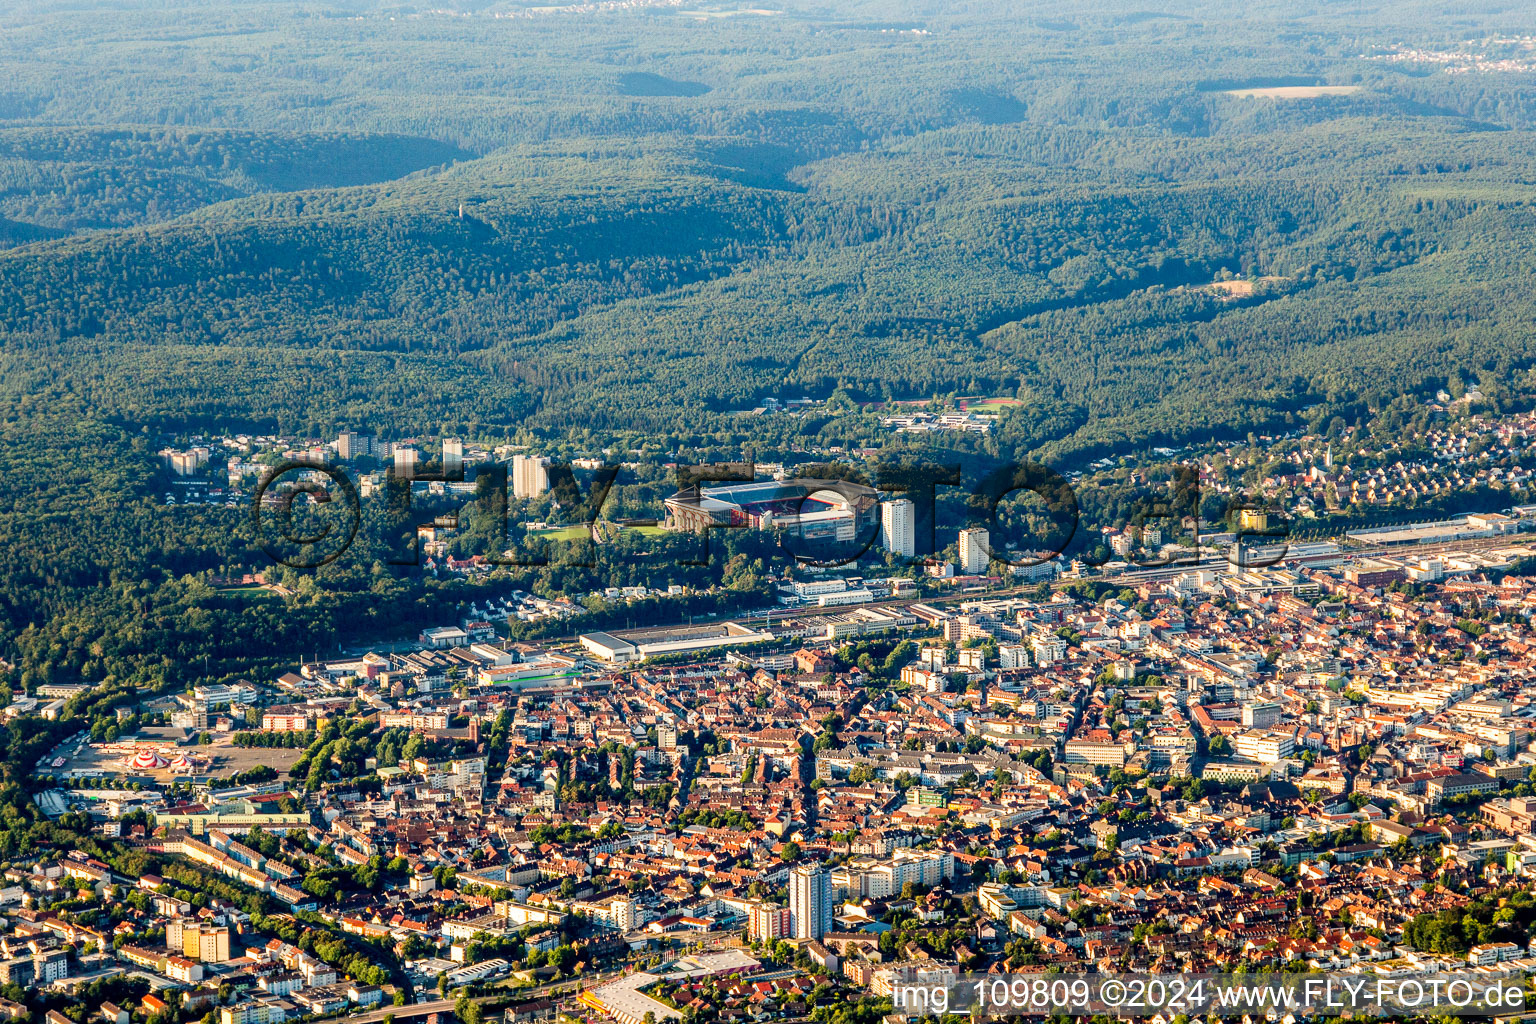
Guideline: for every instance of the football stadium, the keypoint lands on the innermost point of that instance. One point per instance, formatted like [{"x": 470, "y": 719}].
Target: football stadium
[{"x": 815, "y": 510}]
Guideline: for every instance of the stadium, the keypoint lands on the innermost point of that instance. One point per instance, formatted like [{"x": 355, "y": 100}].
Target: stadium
[{"x": 815, "y": 510}]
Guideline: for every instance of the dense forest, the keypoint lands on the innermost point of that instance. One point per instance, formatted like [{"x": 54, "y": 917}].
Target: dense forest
[{"x": 626, "y": 225}]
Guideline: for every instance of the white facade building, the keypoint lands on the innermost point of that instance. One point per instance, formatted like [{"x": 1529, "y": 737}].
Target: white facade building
[
  {"x": 898, "y": 527},
  {"x": 974, "y": 552},
  {"x": 530, "y": 476},
  {"x": 810, "y": 902},
  {"x": 405, "y": 461}
]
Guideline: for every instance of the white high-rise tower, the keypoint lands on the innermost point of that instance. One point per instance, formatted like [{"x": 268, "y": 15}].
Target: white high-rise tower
[
  {"x": 898, "y": 527},
  {"x": 405, "y": 461},
  {"x": 529, "y": 477},
  {"x": 974, "y": 552},
  {"x": 810, "y": 902}
]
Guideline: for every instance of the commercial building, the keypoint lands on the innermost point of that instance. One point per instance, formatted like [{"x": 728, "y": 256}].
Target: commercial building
[
  {"x": 859, "y": 595},
  {"x": 1438, "y": 532},
  {"x": 533, "y": 671},
  {"x": 837, "y": 625},
  {"x": 1263, "y": 746},
  {"x": 1235, "y": 771},
  {"x": 1459, "y": 785},
  {"x": 1090, "y": 752},
  {"x": 1375, "y": 572},
  {"x": 625, "y": 1000},
  {"x": 637, "y": 644},
  {"x": 1261, "y": 715}
]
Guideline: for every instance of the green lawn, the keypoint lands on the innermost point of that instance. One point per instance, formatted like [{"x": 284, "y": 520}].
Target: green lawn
[
  {"x": 993, "y": 403},
  {"x": 561, "y": 533}
]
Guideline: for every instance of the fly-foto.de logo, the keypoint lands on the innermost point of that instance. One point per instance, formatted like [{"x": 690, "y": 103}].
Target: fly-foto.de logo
[{"x": 827, "y": 515}]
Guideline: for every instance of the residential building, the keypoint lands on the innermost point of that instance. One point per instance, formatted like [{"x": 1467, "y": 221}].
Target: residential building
[
  {"x": 810, "y": 901},
  {"x": 898, "y": 527}
]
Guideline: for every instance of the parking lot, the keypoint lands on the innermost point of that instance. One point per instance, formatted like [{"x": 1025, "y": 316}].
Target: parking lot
[{"x": 220, "y": 759}]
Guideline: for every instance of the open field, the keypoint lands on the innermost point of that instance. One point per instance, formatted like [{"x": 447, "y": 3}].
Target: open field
[
  {"x": 218, "y": 760},
  {"x": 1237, "y": 288},
  {"x": 561, "y": 533},
  {"x": 1295, "y": 92},
  {"x": 988, "y": 405}
]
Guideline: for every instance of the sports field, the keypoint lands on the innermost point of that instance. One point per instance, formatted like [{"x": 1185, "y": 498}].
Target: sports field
[
  {"x": 561, "y": 533},
  {"x": 985, "y": 406}
]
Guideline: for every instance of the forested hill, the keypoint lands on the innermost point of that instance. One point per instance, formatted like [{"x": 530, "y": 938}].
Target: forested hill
[
  {"x": 608, "y": 222},
  {"x": 107, "y": 177},
  {"x": 642, "y": 284},
  {"x": 640, "y": 219}
]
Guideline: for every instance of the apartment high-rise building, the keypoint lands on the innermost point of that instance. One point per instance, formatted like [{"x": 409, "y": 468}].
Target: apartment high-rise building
[
  {"x": 351, "y": 444},
  {"x": 530, "y": 478},
  {"x": 50, "y": 965},
  {"x": 766, "y": 922},
  {"x": 198, "y": 940},
  {"x": 21, "y": 970},
  {"x": 974, "y": 551},
  {"x": 187, "y": 463},
  {"x": 1013, "y": 656},
  {"x": 213, "y": 945},
  {"x": 453, "y": 457},
  {"x": 405, "y": 461},
  {"x": 898, "y": 527},
  {"x": 622, "y": 914},
  {"x": 810, "y": 901}
]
